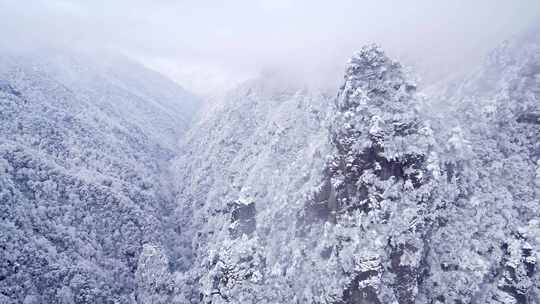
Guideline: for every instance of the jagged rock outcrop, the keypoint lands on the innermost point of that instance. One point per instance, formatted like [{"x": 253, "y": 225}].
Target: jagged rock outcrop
[{"x": 379, "y": 182}]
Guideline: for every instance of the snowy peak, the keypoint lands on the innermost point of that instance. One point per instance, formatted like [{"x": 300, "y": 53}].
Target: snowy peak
[
  {"x": 377, "y": 100},
  {"x": 369, "y": 63},
  {"x": 370, "y": 67},
  {"x": 378, "y": 164},
  {"x": 375, "y": 88}
]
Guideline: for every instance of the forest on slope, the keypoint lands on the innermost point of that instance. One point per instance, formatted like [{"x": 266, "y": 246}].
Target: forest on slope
[
  {"x": 85, "y": 146},
  {"x": 382, "y": 193}
]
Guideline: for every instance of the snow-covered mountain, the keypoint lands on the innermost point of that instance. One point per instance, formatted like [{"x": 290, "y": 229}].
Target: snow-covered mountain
[
  {"x": 273, "y": 194},
  {"x": 288, "y": 192},
  {"x": 85, "y": 146},
  {"x": 490, "y": 135},
  {"x": 376, "y": 196}
]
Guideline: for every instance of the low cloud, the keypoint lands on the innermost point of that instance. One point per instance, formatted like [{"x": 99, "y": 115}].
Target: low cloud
[{"x": 210, "y": 45}]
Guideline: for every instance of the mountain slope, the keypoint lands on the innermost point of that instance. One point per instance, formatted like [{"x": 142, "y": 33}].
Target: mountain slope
[
  {"x": 243, "y": 171},
  {"x": 270, "y": 222},
  {"x": 491, "y": 140},
  {"x": 404, "y": 202},
  {"x": 84, "y": 152},
  {"x": 277, "y": 194}
]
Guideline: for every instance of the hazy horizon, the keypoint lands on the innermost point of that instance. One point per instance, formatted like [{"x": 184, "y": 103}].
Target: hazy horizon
[{"x": 208, "y": 47}]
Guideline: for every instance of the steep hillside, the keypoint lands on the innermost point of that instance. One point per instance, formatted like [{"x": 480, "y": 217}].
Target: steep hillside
[
  {"x": 381, "y": 197},
  {"x": 283, "y": 189},
  {"x": 243, "y": 175},
  {"x": 490, "y": 135},
  {"x": 85, "y": 146},
  {"x": 275, "y": 194}
]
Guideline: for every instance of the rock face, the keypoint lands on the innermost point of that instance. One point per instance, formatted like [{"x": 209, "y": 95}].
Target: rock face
[{"x": 83, "y": 183}]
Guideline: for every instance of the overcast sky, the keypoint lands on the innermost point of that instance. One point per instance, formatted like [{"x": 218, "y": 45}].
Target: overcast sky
[{"x": 208, "y": 45}]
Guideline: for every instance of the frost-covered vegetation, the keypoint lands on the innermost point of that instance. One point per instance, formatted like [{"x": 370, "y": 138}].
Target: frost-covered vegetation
[
  {"x": 382, "y": 193},
  {"x": 84, "y": 175}
]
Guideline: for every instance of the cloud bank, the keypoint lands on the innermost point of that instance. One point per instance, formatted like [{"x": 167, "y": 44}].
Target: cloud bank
[{"x": 207, "y": 46}]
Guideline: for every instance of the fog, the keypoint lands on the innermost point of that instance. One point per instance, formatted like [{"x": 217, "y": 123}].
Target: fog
[{"x": 208, "y": 46}]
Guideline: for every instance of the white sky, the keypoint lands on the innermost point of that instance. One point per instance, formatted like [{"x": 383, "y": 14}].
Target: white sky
[{"x": 209, "y": 45}]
